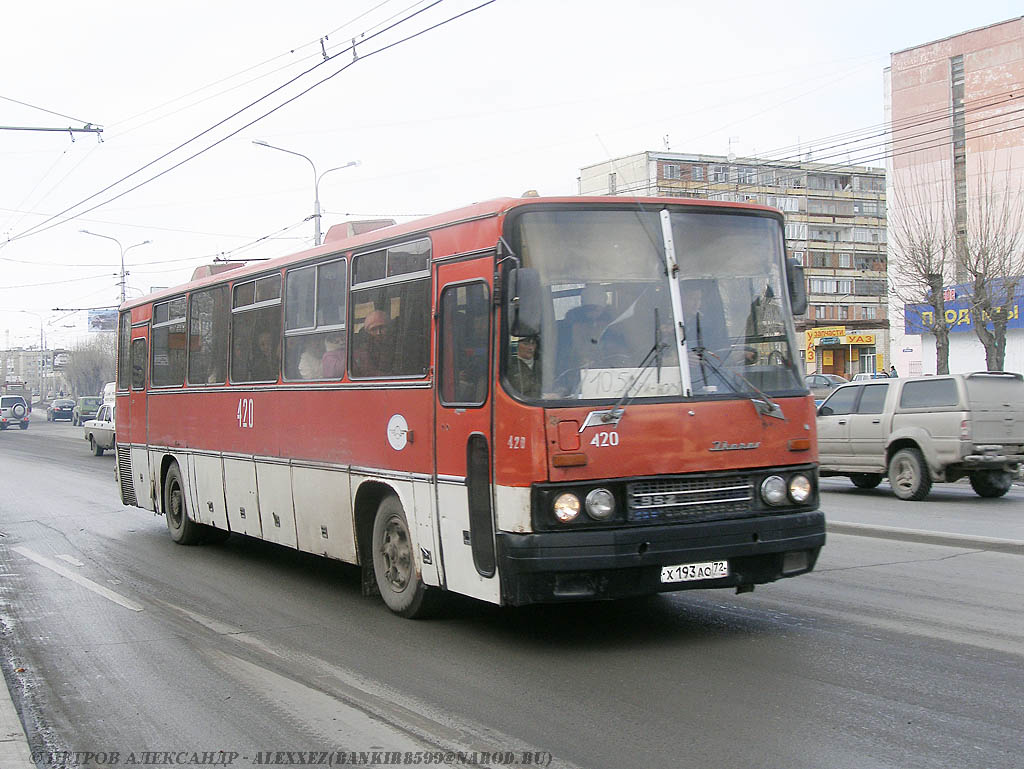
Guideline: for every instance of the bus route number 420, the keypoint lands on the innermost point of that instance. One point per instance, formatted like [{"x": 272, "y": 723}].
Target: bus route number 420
[
  {"x": 245, "y": 412},
  {"x": 688, "y": 572}
]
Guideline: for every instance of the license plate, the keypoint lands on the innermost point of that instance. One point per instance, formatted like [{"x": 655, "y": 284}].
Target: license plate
[{"x": 688, "y": 572}]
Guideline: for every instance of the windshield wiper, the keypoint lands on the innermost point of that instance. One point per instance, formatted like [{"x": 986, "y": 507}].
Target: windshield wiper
[
  {"x": 763, "y": 404},
  {"x": 654, "y": 354}
]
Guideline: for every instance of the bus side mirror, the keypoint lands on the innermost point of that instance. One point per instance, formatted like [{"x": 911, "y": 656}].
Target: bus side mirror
[
  {"x": 797, "y": 286},
  {"x": 522, "y": 301}
]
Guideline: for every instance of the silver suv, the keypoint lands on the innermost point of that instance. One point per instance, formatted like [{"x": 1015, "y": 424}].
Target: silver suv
[
  {"x": 924, "y": 429},
  {"x": 13, "y": 411}
]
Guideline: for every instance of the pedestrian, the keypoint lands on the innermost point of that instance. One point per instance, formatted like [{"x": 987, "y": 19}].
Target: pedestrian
[{"x": 892, "y": 372}]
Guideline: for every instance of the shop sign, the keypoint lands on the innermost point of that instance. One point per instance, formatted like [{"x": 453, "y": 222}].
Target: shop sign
[{"x": 860, "y": 339}]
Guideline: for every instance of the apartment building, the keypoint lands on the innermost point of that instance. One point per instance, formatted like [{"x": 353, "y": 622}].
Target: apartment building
[
  {"x": 835, "y": 227},
  {"x": 955, "y": 109}
]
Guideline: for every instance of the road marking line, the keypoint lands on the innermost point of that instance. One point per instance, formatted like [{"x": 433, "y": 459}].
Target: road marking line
[
  {"x": 72, "y": 561},
  {"x": 78, "y": 579}
]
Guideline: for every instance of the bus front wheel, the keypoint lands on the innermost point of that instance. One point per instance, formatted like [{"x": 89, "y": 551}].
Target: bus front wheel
[
  {"x": 394, "y": 562},
  {"x": 183, "y": 530}
]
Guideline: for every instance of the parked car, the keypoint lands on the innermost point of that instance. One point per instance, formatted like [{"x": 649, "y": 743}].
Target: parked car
[
  {"x": 822, "y": 385},
  {"x": 13, "y": 411},
  {"x": 924, "y": 429},
  {"x": 62, "y": 408},
  {"x": 85, "y": 408},
  {"x": 869, "y": 375},
  {"x": 100, "y": 431}
]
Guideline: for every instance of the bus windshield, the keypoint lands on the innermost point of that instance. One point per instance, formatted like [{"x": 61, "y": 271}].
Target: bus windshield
[{"x": 609, "y": 329}]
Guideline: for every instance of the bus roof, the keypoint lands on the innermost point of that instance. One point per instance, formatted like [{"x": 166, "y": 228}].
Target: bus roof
[{"x": 336, "y": 239}]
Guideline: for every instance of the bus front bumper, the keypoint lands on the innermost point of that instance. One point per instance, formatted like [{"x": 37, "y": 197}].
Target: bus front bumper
[{"x": 579, "y": 565}]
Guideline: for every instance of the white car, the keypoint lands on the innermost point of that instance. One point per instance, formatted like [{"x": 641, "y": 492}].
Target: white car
[{"x": 100, "y": 431}]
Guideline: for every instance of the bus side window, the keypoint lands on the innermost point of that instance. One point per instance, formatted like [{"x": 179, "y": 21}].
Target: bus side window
[
  {"x": 256, "y": 331},
  {"x": 139, "y": 363}
]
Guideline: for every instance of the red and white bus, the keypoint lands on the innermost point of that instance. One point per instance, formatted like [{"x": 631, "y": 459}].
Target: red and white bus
[{"x": 526, "y": 400}]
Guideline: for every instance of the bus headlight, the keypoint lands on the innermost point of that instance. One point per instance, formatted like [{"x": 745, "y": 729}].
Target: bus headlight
[
  {"x": 773, "y": 490},
  {"x": 566, "y": 507},
  {"x": 600, "y": 504},
  {"x": 799, "y": 488}
]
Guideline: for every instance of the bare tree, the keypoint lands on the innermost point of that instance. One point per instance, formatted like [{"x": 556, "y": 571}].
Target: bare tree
[
  {"x": 921, "y": 237},
  {"x": 990, "y": 254},
  {"x": 91, "y": 364}
]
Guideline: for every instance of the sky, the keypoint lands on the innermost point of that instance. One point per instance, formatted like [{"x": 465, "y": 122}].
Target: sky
[{"x": 492, "y": 99}]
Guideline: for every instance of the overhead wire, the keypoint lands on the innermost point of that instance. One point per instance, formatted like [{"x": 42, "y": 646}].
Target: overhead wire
[{"x": 49, "y": 223}]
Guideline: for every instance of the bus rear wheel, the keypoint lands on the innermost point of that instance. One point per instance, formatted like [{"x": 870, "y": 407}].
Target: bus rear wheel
[
  {"x": 183, "y": 530},
  {"x": 394, "y": 562}
]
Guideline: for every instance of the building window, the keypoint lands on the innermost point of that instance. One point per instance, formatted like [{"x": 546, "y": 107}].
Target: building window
[
  {"x": 746, "y": 175},
  {"x": 670, "y": 171},
  {"x": 796, "y": 231},
  {"x": 697, "y": 173},
  {"x": 868, "y": 312},
  {"x": 871, "y": 288},
  {"x": 720, "y": 174},
  {"x": 799, "y": 256},
  {"x": 612, "y": 184},
  {"x": 783, "y": 202},
  {"x": 845, "y": 259}
]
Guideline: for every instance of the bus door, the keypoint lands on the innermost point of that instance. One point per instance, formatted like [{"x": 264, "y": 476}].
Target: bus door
[
  {"x": 462, "y": 430},
  {"x": 137, "y": 419}
]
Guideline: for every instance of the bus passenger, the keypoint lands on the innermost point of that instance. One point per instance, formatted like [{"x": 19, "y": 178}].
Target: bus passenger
[
  {"x": 332, "y": 364},
  {"x": 373, "y": 347},
  {"x": 309, "y": 360},
  {"x": 266, "y": 358}
]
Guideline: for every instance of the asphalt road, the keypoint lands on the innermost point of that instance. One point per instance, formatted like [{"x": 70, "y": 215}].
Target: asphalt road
[{"x": 114, "y": 640}]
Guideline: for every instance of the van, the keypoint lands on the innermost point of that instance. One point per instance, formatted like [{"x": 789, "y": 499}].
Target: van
[{"x": 108, "y": 392}]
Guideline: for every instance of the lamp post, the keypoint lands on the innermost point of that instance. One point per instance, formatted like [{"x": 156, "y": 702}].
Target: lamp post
[
  {"x": 123, "y": 252},
  {"x": 316, "y": 182}
]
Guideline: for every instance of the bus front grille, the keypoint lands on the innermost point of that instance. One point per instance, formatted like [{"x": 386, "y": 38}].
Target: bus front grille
[
  {"x": 703, "y": 498},
  {"x": 124, "y": 475}
]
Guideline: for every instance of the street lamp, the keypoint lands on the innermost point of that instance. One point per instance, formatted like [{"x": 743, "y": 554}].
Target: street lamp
[
  {"x": 123, "y": 252},
  {"x": 316, "y": 182}
]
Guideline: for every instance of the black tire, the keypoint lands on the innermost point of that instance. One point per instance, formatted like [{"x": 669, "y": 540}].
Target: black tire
[
  {"x": 866, "y": 480},
  {"x": 909, "y": 476},
  {"x": 394, "y": 562},
  {"x": 991, "y": 483},
  {"x": 213, "y": 536},
  {"x": 183, "y": 529},
  {"x": 96, "y": 449},
  {"x": 24, "y": 425}
]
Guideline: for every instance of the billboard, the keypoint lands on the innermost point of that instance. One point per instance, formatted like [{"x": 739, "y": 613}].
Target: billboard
[
  {"x": 958, "y": 313},
  {"x": 102, "y": 320}
]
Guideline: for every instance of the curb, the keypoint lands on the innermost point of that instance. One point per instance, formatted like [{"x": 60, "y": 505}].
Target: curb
[
  {"x": 14, "y": 752},
  {"x": 994, "y": 544}
]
